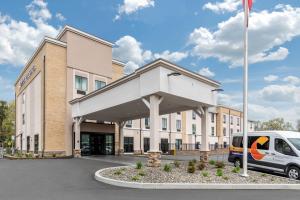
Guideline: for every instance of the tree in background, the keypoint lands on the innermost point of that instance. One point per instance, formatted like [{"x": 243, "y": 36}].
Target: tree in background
[
  {"x": 275, "y": 124},
  {"x": 7, "y": 120},
  {"x": 298, "y": 125}
]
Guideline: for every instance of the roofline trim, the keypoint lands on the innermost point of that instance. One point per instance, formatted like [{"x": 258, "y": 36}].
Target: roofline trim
[
  {"x": 79, "y": 32},
  {"x": 118, "y": 62},
  {"x": 42, "y": 43}
]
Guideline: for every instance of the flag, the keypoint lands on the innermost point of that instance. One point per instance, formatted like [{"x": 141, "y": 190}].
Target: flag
[{"x": 250, "y": 3}]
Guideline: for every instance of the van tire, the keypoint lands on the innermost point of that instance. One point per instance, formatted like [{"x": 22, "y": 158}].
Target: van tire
[
  {"x": 293, "y": 172},
  {"x": 238, "y": 162}
]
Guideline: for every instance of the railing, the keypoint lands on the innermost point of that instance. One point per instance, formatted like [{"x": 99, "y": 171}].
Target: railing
[{"x": 166, "y": 147}]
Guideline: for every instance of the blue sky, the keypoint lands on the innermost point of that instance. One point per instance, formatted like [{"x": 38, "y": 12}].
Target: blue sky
[{"x": 203, "y": 36}]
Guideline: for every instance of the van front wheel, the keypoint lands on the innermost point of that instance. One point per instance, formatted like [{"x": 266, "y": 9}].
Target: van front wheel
[
  {"x": 293, "y": 172},
  {"x": 238, "y": 163}
]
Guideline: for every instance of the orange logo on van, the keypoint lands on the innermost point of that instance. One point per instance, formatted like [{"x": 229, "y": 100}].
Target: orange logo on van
[{"x": 254, "y": 152}]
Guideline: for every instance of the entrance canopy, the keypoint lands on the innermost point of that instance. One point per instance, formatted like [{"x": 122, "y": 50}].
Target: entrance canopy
[{"x": 129, "y": 97}]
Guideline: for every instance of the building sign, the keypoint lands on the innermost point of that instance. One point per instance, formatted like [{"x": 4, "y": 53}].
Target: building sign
[{"x": 27, "y": 76}]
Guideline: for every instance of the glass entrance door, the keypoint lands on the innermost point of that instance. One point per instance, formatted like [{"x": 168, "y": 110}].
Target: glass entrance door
[{"x": 97, "y": 144}]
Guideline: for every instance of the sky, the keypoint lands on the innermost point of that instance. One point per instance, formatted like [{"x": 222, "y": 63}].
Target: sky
[{"x": 202, "y": 36}]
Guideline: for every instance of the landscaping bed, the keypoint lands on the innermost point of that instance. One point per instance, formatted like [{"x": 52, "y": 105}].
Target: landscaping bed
[{"x": 191, "y": 172}]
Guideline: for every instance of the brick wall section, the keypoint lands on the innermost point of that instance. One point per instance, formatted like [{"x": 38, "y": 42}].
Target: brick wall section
[{"x": 55, "y": 104}]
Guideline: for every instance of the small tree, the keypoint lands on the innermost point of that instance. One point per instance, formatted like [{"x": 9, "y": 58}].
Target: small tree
[
  {"x": 276, "y": 124},
  {"x": 298, "y": 125}
]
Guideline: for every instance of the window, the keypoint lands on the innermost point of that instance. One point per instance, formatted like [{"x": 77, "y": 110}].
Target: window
[
  {"x": 147, "y": 122},
  {"x": 295, "y": 142},
  {"x": 129, "y": 124},
  {"x": 237, "y": 141},
  {"x": 238, "y": 130},
  {"x": 224, "y": 131},
  {"x": 28, "y": 144},
  {"x": 238, "y": 121},
  {"x": 81, "y": 84},
  {"x": 251, "y": 125},
  {"x": 178, "y": 113},
  {"x": 213, "y": 131},
  {"x": 194, "y": 129},
  {"x": 193, "y": 115},
  {"x": 146, "y": 144},
  {"x": 212, "y": 117},
  {"x": 178, "y": 144},
  {"x": 23, "y": 118},
  {"x": 283, "y": 147},
  {"x": 231, "y": 131},
  {"x": 36, "y": 144},
  {"x": 128, "y": 144},
  {"x": 23, "y": 98},
  {"x": 252, "y": 139},
  {"x": 178, "y": 125},
  {"x": 99, "y": 84},
  {"x": 231, "y": 120},
  {"x": 224, "y": 119},
  {"x": 164, "y": 123}
]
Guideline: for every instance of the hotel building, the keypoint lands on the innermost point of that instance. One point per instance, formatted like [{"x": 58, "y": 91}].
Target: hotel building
[{"x": 75, "y": 64}]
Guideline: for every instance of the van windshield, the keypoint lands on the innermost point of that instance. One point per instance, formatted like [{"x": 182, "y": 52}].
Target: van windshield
[{"x": 295, "y": 142}]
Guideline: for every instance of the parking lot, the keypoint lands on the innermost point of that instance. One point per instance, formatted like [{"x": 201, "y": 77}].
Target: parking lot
[{"x": 73, "y": 179}]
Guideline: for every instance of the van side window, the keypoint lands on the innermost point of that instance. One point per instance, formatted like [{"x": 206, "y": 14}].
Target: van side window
[
  {"x": 283, "y": 147},
  {"x": 237, "y": 141},
  {"x": 252, "y": 139}
]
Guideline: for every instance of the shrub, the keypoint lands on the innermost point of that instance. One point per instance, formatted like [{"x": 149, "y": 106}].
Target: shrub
[
  {"x": 226, "y": 178},
  {"x": 236, "y": 170},
  {"x": 201, "y": 166},
  {"x": 212, "y": 162},
  {"x": 118, "y": 172},
  {"x": 219, "y": 172},
  {"x": 219, "y": 164},
  {"x": 191, "y": 169},
  {"x": 191, "y": 163},
  {"x": 54, "y": 155},
  {"x": 263, "y": 175},
  {"x": 167, "y": 168},
  {"x": 194, "y": 161},
  {"x": 205, "y": 174},
  {"x": 139, "y": 165},
  {"x": 135, "y": 178},
  {"x": 142, "y": 173},
  {"x": 176, "y": 163}
]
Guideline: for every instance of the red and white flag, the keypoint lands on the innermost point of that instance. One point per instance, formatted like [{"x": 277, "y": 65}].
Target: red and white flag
[{"x": 249, "y": 6}]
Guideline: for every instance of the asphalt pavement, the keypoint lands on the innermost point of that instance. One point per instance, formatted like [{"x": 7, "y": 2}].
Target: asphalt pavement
[{"x": 73, "y": 179}]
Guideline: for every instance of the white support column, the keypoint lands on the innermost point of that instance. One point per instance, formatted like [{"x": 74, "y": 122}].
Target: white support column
[
  {"x": 154, "y": 153},
  {"x": 204, "y": 135},
  {"x": 121, "y": 137},
  {"x": 77, "y": 150}
]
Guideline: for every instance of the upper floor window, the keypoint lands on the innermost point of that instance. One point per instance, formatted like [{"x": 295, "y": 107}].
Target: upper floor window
[
  {"x": 224, "y": 119},
  {"x": 213, "y": 131},
  {"x": 23, "y": 118},
  {"x": 231, "y": 120},
  {"x": 194, "y": 129},
  {"x": 147, "y": 122},
  {"x": 193, "y": 115},
  {"x": 99, "y": 84},
  {"x": 164, "y": 123},
  {"x": 23, "y": 98},
  {"x": 178, "y": 125},
  {"x": 178, "y": 113},
  {"x": 231, "y": 131},
  {"x": 224, "y": 131},
  {"x": 129, "y": 123},
  {"x": 81, "y": 84},
  {"x": 238, "y": 121},
  {"x": 212, "y": 117}
]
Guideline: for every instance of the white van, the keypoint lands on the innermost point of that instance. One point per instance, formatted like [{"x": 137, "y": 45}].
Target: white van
[{"x": 277, "y": 151}]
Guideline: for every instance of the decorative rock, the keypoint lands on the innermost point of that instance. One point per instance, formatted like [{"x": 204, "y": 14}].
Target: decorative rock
[
  {"x": 154, "y": 158},
  {"x": 77, "y": 153}
]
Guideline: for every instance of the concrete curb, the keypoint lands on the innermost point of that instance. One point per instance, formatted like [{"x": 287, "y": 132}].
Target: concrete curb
[{"x": 136, "y": 185}]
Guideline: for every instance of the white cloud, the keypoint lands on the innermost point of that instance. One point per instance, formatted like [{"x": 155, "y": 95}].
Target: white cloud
[
  {"x": 130, "y": 51},
  {"x": 131, "y": 6},
  {"x": 18, "y": 39},
  {"x": 60, "y": 17},
  {"x": 205, "y": 71},
  {"x": 268, "y": 31},
  {"x": 231, "y": 80},
  {"x": 224, "y": 6},
  {"x": 172, "y": 56},
  {"x": 270, "y": 78},
  {"x": 281, "y": 93},
  {"x": 6, "y": 88},
  {"x": 292, "y": 80}
]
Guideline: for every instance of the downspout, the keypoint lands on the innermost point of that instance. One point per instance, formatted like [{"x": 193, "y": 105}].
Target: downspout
[
  {"x": 141, "y": 136},
  {"x": 44, "y": 102},
  {"x": 229, "y": 129}
]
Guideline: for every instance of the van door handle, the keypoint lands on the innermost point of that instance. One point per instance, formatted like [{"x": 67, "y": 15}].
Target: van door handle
[
  {"x": 273, "y": 154},
  {"x": 267, "y": 153}
]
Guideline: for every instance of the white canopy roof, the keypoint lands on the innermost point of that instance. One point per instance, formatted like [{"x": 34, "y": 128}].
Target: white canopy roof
[{"x": 123, "y": 99}]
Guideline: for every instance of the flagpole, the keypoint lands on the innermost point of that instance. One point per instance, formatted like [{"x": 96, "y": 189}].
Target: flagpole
[{"x": 245, "y": 92}]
